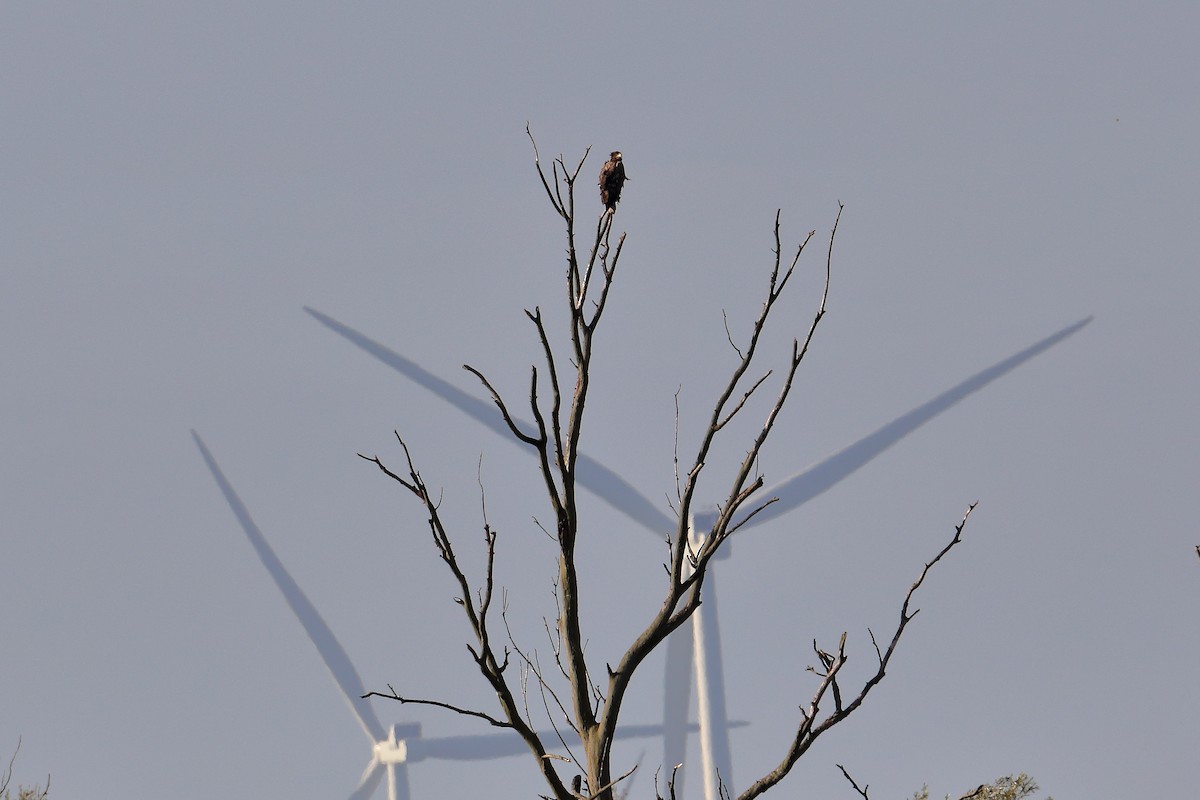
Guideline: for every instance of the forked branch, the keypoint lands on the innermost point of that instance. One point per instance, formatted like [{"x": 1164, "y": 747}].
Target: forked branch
[{"x": 812, "y": 725}]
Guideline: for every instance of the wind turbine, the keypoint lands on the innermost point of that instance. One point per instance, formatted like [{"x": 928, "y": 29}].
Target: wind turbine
[
  {"x": 702, "y": 638},
  {"x": 400, "y": 745}
]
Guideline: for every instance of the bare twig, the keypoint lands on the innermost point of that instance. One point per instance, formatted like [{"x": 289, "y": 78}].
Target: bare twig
[
  {"x": 6, "y": 778},
  {"x": 722, "y": 789},
  {"x": 811, "y": 725},
  {"x": 861, "y": 790},
  {"x": 733, "y": 412},
  {"x": 729, "y": 336},
  {"x": 545, "y": 689},
  {"x": 678, "y": 491},
  {"x": 601, "y": 792},
  {"x": 534, "y": 666},
  {"x": 391, "y": 694},
  {"x": 375, "y": 460},
  {"x": 499, "y": 401},
  {"x": 670, "y": 784}
]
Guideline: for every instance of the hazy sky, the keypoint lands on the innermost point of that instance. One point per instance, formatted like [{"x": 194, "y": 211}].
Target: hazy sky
[{"x": 181, "y": 179}]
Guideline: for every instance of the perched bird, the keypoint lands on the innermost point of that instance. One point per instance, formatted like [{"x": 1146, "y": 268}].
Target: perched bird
[{"x": 612, "y": 178}]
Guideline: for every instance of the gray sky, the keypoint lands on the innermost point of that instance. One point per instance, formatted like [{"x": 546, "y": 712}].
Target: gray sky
[{"x": 180, "y": 180}]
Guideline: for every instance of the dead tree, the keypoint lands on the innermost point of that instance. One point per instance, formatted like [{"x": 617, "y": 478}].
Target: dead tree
[{"x": 558, "y": 401}]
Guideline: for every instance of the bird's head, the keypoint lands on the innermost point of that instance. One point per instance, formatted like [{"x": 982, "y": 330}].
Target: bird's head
[{"x": 616, "y": 155}]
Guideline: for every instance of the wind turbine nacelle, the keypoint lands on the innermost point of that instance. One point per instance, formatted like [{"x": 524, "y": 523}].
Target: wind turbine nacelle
[{"x": 394, "y": 749}]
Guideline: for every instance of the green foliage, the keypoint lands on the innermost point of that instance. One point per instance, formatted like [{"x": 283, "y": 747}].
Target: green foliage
[{"x": 1006, "y": 788}]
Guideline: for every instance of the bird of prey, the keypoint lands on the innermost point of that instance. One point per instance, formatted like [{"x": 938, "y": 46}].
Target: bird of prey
[{"x": 612, "y": 178}]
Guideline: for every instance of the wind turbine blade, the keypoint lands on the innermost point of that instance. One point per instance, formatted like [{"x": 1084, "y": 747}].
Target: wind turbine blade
[
  {"x": 483, "y": 747},
  {"x": 482, "y": 411},
  {"x": 398, "y": 782},
  {"x": 677, "y": 695},
  {"x": 370, "y": 779},
  {"x": 710, "y": 689},
  {"x": 801, "y": 488},
  {"x": 322, "y": 637},
  {"x": 639, "y": 731},
  {"x": 478, "y": 747},
  {"x": 593, "y": 475}
]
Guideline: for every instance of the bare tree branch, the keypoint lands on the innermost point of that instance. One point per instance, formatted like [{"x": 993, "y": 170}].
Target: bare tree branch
[
  {"x": 861, "y": 790},
  {"x": 391, "y": 694},
  {"x": 733, "y": 412},
  {"x": 670, "y": 784},
  {"x": 508, "y": 419},
  {"x": 811, "y": 727}
]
